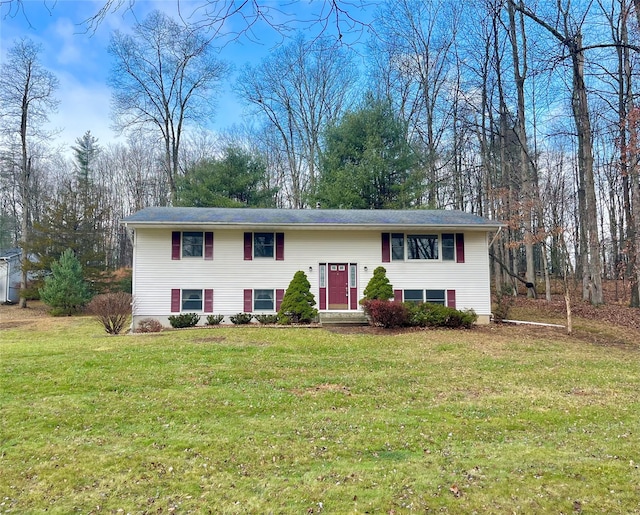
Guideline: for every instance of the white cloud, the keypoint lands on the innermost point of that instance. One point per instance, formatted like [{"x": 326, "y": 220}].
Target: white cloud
[
  {"x": 83, "y": 107},
  {"x": 69, "y": 49}
]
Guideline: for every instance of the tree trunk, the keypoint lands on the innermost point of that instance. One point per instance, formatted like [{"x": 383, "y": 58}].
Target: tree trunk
[{"x": 592, "y": 276}]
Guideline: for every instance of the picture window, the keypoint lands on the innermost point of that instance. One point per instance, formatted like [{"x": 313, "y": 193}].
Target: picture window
[{"x": 422, "y": 246}]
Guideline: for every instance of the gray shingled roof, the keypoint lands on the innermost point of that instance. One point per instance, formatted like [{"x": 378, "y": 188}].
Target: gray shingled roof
[{"x": 303, "y": 218}]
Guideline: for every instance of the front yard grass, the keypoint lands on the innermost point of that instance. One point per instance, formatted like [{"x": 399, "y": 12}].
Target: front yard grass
[{"x": 268, "y": 420}]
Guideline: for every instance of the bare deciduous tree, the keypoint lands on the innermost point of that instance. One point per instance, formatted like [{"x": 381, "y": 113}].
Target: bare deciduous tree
[
  {"x": 27, "y": 97},
  {"x": 162, "y": 77},
  {"x": 299, "y": 90}
]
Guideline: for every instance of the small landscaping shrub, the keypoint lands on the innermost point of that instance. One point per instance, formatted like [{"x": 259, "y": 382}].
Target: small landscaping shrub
[
  {"x": 184, "y": 320},
  {"x": 112, "y": 310},
  {"x": 149, "y": 325},
  {"x": 298, "y": 301},
  {"x": 386, "y": 314},
  {"x": 266, "y": 319},
  {"x": 214, "y": 319},
  {"x": 437, "y": 315},
  {"x": 241, "y": 318},
  {"x": 378, "y": 287}
]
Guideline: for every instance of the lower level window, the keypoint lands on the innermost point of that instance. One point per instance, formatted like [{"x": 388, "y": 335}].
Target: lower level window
[
  {"x": 191, "y": 300},
  {"x": 263, "y": 300},
  {"x": 435, "y": 296},
  {"x": 417, "y": 296},
  {"x": 414, "y": 296}
]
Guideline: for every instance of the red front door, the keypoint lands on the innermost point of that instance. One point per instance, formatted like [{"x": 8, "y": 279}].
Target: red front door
[{"x": 338, "y": 286}]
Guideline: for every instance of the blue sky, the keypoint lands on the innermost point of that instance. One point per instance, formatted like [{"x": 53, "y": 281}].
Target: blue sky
[{"x": 80, "y": 61}]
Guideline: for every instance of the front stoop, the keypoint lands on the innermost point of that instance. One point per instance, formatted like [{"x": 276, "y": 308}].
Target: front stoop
[{"x": 343, "y": 318}]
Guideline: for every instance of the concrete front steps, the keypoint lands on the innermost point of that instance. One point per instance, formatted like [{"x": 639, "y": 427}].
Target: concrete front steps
[{"x": 343, "y": 318}]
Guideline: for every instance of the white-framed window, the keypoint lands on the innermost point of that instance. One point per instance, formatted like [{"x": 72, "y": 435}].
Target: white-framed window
[
  {"x": 192, "y": 244},
  {"x": 322, "y": 272},
  {"x": 397, "y": 247},
  {"x": 353, "y": 276},
  {"x": 264, "y": 300},
  {"x": 435, "y": 297},
  {"x": 432, "y": 296},
  {"x": 448, "y": 247},
  {"x": 191, "y": 300},
  {"x": 415, "y": 296},
  {"x": 263, "y": 244},
  {"x": 422, "y": 246}
]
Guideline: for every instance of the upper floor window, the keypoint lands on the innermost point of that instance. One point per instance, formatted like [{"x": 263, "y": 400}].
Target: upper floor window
[
  {"x": 448, "y": 247},
  {"x": 192, "y": 244},
  {"x": 397, "y": 247},
  {"x": 188, "y": 244},
  {"x": 422, "y": 246},
  {"x": 263, "y": 244}
]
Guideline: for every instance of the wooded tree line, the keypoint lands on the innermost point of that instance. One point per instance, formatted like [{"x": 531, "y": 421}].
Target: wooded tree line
[{"x": 518, "y": 111}]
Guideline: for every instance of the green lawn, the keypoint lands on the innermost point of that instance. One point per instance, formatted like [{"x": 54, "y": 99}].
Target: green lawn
[{"x": 260, "y": 420}]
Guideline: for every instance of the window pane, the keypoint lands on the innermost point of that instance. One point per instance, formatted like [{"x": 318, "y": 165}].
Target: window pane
[
  {"x": 323, "y": 274},
  {"x": 422, "y": 246},
  {"x": 397, "y": 247},
  {"x": 413, "y": 296},
  {"x": 435, "y": 296},
  {"x": 191, "y": 300},
  {"x": 263, "y": 244},
  {"x": 191, "y": 244},
  {"x": 263, "y": 300},
  {"x": 448, "y": 247},
  {"x": 352, "y": 276}
]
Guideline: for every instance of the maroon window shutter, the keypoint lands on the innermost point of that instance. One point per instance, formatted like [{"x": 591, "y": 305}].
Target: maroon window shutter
[
  {"x": 208, "y": 301},
  {"x": 451, "y": 298},
  {"x": 175, "y": 245},
  {"x": 397, "y": 295},
  {"x": 248, "y": 246},
  {"x": 248, "y": 301},
  {"x": 175, "y": 301},
  {"x": 279, "y": 297},
  {"x": 459, "y": 248},
  {"x": 279, "y": 246},
  {"x": 386, "y": 247},
  {"x": 208, "y": 245}
]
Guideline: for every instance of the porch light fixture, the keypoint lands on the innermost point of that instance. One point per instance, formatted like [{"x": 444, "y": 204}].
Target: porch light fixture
[{"x": 310, "y": 269}]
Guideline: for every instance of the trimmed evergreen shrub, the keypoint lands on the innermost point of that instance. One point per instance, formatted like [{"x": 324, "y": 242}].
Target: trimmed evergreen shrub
[
  {"x": 149, "y": 325},
  {"x": 65, "y": 290},
  {"x": 184, "y": 320},
  {"x": 266, "y": 319},
  {"x": 241, "y": 318},
  {"x": 386, "y": 314},
  {"x": 112, "y": 310},
  {"x": 298, "y": 301},
  {"x": 378, "y": 287},
  {"x": 214, "y": 319}
]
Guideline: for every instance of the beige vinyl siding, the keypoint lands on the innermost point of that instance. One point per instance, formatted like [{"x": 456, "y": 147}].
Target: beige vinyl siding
[{"x": 228, "y": 274}]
